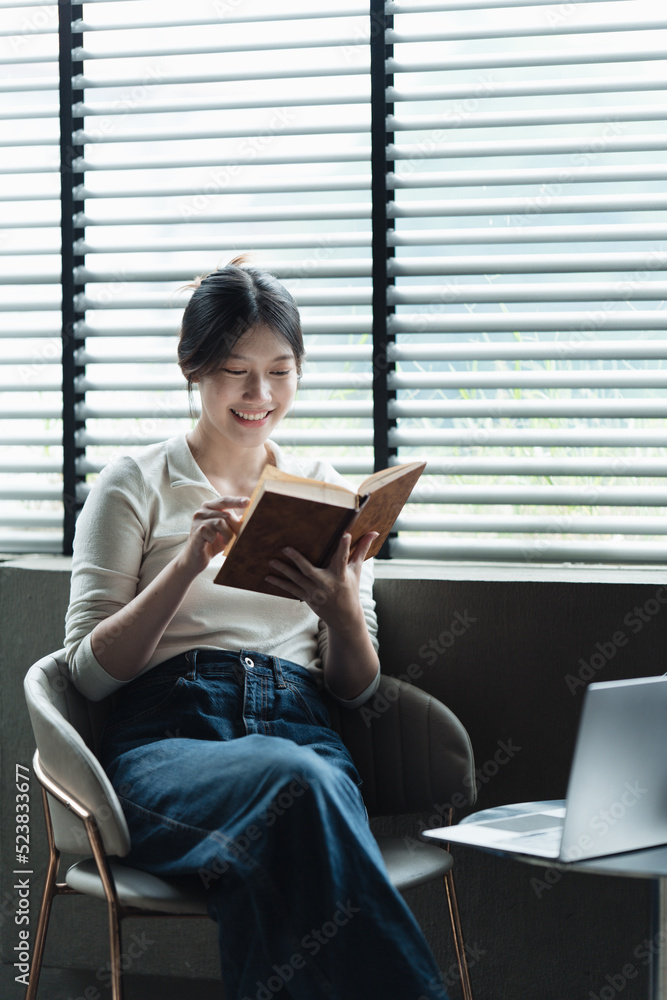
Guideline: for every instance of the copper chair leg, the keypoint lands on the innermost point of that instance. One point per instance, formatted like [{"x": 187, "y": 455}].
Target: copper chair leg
[
  {"x": 50, "y": 890},
  {"x": 113, "y": 906},
  {"x": 115, "y": 952},
  {"x": 53, "y": 888},
  {"x": 457, "y": 931}
]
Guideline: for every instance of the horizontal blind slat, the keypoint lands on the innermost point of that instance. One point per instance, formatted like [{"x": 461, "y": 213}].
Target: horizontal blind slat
[
  {"x": 31, "y": 492},
  {"x": 319, "y": 243},
  {"x": 528, "y": 175},
  {"x": 544, "y": 379},
  {"x": 568, "y": 322},
  {"x": 277, "y": 186},
  {"x": 577, "y": 347},
  {"x": 81, "y": 25},
  {"x": 531, "y": 205},
  {"x": 545, "y": 437},
  {"x": 275, "y": 44},
  {"x": 322, "y": 154},
  {"x": 506, "y": 59},
  {"x": 642, "y": 260},
  {"x": 545, "y": 496},
  {"x": 293, "y": 72},
  {"x": 287, "y": 213},
  {"x": 536, "y": 551},
  {"x": 537, "y": 465},
  {"x": 534, "y": 146},
  {"x": 528, "y": 233},
  {"x": 488, "y": 32},
  {"x": 585, "y": 291},
  {"x": 86, "y": 138},
  {"x": 524, "y": 88},
  {"x": 503, "y": 407},
  {"x": 306, "y": 296},
  {"x": 436, "y": 6},
  {"x": 523, "y": 118},
  {"x": 219, "y": 105},
  {"x": 24, "y": 85},
  {"x": 518, "y": 523}
]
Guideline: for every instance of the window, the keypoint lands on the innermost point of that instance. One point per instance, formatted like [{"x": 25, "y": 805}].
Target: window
[
  {"x": 31, "y": 506},
  {"x": 465, "y": 197}
]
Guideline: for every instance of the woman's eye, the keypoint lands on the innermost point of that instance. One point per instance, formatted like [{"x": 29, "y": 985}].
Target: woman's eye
[
  {"x": 233, "y": 371},
  {"x": 286, "y": 372}
]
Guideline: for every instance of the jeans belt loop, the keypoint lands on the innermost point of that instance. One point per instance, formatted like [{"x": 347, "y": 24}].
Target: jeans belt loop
[
  {"x": 191, "y": 658},
  {"x": 277, "y": 672}
]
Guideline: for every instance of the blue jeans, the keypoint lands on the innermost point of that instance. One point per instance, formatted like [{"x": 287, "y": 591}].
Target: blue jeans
[{"x": 228, "y": 772}]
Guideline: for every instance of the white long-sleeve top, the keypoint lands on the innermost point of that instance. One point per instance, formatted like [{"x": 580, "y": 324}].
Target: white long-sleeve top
[{"x": 135, "y": 520}]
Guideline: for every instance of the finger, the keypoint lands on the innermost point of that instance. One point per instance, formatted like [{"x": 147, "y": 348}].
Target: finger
[
  {"x": 303, "y": 565},
  {"x": 363, "y": 545},
  {"x": 340, "y": 557},
  {"x": 213, "y": 530},
  {"x": 222, "y": 503},
  {"x": 234, "y": 522},
  {"x": 214, "y": 512},
  {"x": 291, "y": 572},
  {"x": 287, "y": 586}
]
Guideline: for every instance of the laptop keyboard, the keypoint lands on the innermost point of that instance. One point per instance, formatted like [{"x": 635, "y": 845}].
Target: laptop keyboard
[{"x": 539, "y": 822}]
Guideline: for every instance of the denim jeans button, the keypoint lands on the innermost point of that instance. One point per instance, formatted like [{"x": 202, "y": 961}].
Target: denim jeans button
[{"x": 248, "y": 662}]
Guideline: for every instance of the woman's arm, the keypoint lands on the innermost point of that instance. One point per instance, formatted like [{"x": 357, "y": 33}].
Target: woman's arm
[
  {"x": 351, "y": 662},
  {"x": 124, "y": 642},
  {"x": 115, "y": 612}
]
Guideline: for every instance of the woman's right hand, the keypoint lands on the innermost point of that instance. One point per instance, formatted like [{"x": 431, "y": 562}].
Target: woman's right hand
[
  {"x": 124, "y": 642},
  {"x": 213, "y": 526}
]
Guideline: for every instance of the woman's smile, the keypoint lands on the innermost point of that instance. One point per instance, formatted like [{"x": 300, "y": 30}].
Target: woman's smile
[{"x": 251, "y": 416}]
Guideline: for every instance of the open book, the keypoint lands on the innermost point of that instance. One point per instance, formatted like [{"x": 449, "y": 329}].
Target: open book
[{"x": 311, "y": 516}]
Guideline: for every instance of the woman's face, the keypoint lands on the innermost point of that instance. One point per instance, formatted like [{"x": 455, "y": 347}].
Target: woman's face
[{"x": 254, "y": 389}]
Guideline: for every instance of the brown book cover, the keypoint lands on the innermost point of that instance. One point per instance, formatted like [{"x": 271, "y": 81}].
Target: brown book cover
[{"x": 311, "y": 516}]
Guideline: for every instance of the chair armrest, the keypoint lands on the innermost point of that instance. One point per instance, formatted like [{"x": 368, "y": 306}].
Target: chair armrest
[
  {"x": 70, "y": 763},
  {"x": 411, "y": 751}
]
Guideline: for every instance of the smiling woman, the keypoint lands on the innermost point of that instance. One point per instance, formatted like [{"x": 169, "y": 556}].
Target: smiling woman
[
  {"x": 241, "y": 344},
  {"x": 236, "y": 676}
]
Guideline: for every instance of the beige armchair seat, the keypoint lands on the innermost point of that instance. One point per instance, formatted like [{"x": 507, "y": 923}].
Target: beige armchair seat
[{"x": 410, "y": 750}]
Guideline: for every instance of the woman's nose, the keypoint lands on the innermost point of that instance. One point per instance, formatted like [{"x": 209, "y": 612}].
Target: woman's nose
[{"x": 257, "y": 387}]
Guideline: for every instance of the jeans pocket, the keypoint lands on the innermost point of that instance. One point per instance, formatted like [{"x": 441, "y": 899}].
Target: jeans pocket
[{"x": 135, "y": 707}]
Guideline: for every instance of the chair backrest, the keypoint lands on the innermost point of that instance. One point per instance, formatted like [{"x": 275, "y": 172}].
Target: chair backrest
[
  {"x": 66, "y": 727},
  {"x": 411, "y": 751}
]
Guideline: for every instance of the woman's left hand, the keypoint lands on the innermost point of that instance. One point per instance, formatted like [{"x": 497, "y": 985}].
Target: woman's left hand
[{"x": 331, "y": 592}]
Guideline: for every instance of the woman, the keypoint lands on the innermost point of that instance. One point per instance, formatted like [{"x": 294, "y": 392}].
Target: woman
[{"x": 219, "y": 745}]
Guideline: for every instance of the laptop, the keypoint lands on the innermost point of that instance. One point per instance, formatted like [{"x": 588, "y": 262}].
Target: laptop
[{"x": 617, "y": 788}]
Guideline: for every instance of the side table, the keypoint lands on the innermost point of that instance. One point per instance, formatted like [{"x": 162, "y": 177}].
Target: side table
[{"x": 650, "y": 863}]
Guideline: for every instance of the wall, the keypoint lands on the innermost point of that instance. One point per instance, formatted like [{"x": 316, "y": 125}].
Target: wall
[
  {"x": 514, "y": 676},
  {"x": 504, "y": 648}
]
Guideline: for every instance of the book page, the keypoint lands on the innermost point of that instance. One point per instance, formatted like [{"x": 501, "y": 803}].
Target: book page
[
  {"x": 313, "y": 489},
  {"x": 379, "y": 479}
]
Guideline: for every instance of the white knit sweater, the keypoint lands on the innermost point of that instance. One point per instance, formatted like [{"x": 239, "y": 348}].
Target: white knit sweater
[{"x": 136, "y": 518}]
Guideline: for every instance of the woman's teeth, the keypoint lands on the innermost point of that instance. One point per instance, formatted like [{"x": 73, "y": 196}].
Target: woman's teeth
[{"x": 251, "y": 416}]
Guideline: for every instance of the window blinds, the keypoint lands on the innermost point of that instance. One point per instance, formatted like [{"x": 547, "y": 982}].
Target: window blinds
[
  {"x": 466, "y": 198},
  {"x": 526, "y": 256},
  {"x": 31, "y": 506},
  {"x": 201, "y": 138}
]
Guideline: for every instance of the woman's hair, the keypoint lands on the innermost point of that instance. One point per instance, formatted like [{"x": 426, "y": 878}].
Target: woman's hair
[{"x": 224, "y": 305}]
